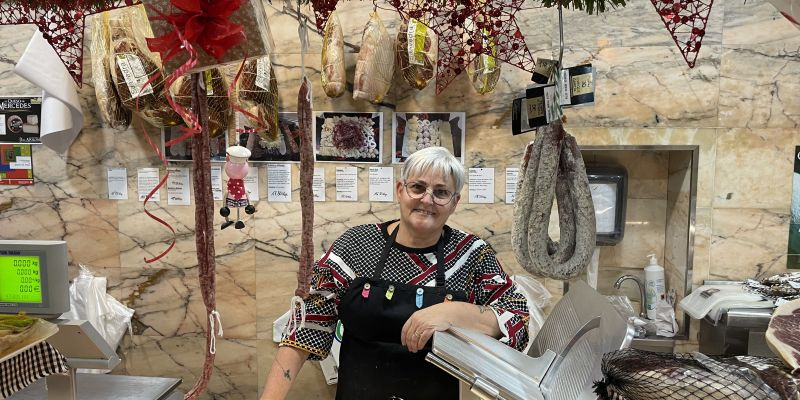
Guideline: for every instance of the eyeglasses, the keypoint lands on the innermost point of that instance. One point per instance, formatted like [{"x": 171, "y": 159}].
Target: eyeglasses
[{"x": 417, "y": 191}]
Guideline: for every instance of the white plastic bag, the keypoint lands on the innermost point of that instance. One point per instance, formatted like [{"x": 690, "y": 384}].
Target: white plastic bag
[
  {"x": 538, "y": 298},
  {"x": 89, "y": 301}
]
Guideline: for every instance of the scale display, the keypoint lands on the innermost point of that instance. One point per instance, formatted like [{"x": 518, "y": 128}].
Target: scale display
[{"x": 20, "y": 279}]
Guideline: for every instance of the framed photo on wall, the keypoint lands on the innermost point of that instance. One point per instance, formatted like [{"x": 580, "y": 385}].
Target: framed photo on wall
[
  {"x": 285, "y": 147},
  {"x": 416, "y": 131},
  {"x": 182, "y": 151},
  {"x": 348, "y": 136}
]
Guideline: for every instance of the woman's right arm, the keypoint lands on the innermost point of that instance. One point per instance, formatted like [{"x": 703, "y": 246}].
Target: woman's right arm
[{"x": 283, "y": 372}]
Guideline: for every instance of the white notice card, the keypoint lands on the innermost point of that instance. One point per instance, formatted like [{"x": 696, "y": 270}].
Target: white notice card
[
  {"x": 216, "y": 182},
  {"x": 148, "y": 179},
  {"x": 178, "y": 187},
  {"x": 21, "y": 162},
  {"x": 118, "y": 183},
  {"x": 319, "y": 184},
  {"x": 251, "y": 184},
  {"x": 481, "y": 185},
  {"x": 346, "y": 184},
  {"x": 381, "y": 184},
  {"x": 512, "y": 175},
  {"x": 279, "y": 182}
]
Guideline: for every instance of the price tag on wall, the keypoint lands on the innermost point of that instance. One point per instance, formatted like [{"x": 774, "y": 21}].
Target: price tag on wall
[
  {"x": 481, "y": 185},
  {"x": 319, "y": 184},
  {"x": 178, "y": 187},
  {"x": 251, "y": 184},
  {"x": 512, "y": 174},
  {"x": 216, "y": 182},
  {"x": 381, "y": 184},
  {"x": 147, "y": 180},
  {"x": 118, "y": 183},
  {"x": 279, "y": 182},
  {"x": 346, "y": 184}
]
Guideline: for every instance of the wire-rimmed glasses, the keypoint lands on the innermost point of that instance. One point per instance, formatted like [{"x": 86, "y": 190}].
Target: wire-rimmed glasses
[{"x": 440, "y": 196}]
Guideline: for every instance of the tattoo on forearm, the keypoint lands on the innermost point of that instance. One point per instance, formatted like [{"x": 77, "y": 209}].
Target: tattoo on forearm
[{"x": 287, "y": 373}]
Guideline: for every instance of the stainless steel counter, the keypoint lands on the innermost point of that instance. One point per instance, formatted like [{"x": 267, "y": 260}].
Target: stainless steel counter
[{"x": 104, "y": 387}]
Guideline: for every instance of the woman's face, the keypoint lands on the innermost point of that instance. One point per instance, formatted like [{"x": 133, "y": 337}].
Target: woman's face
[{"x": 424, "y": 215}]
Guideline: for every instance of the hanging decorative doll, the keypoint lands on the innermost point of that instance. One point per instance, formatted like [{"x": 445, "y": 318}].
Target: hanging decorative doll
[{"x": 236, "y": 168}]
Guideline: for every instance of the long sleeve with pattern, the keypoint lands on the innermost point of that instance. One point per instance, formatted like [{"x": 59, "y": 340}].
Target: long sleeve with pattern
[{"x": 471, "y": 266}]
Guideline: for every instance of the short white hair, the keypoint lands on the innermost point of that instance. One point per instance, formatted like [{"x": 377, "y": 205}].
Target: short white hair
[{"x": 437, "y": 160}]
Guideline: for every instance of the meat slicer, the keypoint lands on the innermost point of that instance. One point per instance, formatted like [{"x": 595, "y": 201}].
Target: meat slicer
[{"x": 562, "y": 363}]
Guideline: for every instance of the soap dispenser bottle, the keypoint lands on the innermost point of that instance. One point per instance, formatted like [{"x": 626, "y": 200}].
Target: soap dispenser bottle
[{"x": 655, "y": 287}]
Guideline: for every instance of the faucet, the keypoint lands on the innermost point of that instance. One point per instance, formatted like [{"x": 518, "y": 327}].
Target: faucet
[{"x": 643, "y": 308}]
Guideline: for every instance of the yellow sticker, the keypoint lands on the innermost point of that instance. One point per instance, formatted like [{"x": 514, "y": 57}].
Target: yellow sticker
[
  {"x": 207, "y": 81},
  {"x": 535, "y": 107},
  {"x": 489, "y": 42},
  {"x": 416, "y": 41},
  {"x": 582, "y": 84}
]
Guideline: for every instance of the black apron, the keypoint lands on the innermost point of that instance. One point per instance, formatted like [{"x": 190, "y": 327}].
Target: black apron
[{"x": 373, "y": 365}]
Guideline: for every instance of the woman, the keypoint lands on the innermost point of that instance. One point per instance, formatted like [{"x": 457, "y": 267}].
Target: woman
[{"x": 384, "y": 283}]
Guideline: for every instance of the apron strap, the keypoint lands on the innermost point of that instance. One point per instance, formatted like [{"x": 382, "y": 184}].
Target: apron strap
[
  {"x": 440, "y": 277},
  {"x": 385, "y": 254},
  {"x": 440, "y": 264}
]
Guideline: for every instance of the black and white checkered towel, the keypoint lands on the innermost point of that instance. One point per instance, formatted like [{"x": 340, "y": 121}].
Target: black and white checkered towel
[{"x": 25, "y": 368}]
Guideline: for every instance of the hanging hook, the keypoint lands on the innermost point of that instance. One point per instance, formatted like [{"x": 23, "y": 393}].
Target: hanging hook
[{"x": 302, "y": 31}]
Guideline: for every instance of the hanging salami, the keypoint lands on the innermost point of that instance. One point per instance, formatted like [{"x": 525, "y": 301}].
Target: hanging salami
[
  {"x": 305, "y": 118},
  {"x": 553, "y": 168}
]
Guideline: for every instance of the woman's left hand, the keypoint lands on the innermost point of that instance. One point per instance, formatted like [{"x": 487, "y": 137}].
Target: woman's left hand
[{"x": 420, "y": 326}]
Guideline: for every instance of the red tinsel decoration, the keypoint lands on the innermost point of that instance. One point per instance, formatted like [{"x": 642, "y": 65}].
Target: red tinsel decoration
[
  {"x": 322, "y": 10},
  {"x": 61, "y": 23},
  {"x": 204, "y": 23},
  {"x": 686, "y": 21},
  {"x": 462, "y": 27}
]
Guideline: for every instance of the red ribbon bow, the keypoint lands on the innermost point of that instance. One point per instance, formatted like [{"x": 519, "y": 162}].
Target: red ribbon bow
[{"x": 204, "y": 22}]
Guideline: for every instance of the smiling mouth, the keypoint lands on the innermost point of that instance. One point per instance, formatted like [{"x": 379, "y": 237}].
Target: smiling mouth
[{"x": 424, "y": 212}]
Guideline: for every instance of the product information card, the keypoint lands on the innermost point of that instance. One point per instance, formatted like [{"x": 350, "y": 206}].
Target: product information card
[
  {"x": 279, "y": 183},
  {"x": 319, "y": 184},
  {"x": 251, "y": 184},
  {"x": 216, "y": 182},
  {"x": 512, "y": 174},
  {"x": 118, "y": 183},
  {"x": 16, "y": 164},
  {"x": 147, "y": 180},
  {"x": 346, "y": 184},
  {"x": 481, "y": 185},
  {"x": 178, "y": 187},
  {"x": 381, "y": 184}
]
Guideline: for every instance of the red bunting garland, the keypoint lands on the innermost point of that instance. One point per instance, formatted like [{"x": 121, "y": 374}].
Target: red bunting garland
[
  {"x": 61, "y": 23},
  {"x": 464, "y": 26},
  {"x": 686, "y": 21}
]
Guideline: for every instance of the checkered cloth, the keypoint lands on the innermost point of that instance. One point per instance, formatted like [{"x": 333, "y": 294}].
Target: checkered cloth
[{"x": 25, "y": 368}]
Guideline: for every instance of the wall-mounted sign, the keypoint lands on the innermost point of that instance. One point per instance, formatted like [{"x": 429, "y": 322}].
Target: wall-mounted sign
[
  {"x": 20, "y": 118},
  {"x": 16, "y": 164}
]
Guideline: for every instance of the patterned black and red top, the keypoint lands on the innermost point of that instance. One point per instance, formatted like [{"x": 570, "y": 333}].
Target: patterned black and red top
[{"x": 471, "y": 266}]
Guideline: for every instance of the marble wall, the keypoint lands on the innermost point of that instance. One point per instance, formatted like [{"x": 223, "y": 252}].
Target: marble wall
[{"x": 739, "y": 105}]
